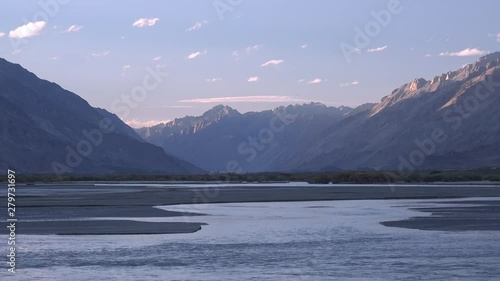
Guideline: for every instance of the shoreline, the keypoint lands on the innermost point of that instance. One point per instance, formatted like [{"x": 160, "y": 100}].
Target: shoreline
[
  {"x": 62, "y": 204},
  {"x": 479, "y": 215}
]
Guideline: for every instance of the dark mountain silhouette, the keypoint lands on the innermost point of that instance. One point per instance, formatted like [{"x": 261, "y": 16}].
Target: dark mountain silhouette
[{"x": 47, "y": 129}]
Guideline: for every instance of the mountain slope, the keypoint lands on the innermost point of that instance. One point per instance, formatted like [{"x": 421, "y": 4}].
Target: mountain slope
[
  {"x": 46, "y": 129},
  {"x": 463, "y": 107}
]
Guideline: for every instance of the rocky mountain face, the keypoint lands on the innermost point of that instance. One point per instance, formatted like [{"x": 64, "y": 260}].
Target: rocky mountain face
[
  {"x": 451, "y": 121},
  {"x": 222, "y": 139},
  {"x": 45, "y": 129}
]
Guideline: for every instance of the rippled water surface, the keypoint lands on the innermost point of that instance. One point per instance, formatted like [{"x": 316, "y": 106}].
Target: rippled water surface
[{"x": 339, "y": 240}]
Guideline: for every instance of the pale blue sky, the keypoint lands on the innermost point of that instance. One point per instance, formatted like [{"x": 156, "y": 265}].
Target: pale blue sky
[{"x": 105, "y": 56}]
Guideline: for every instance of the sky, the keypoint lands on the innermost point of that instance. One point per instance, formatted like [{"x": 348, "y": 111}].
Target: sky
[{"x": 153, "y": 61}]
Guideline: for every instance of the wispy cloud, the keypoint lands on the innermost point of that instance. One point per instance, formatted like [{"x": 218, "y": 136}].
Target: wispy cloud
[
  {"x": 137, "y": 124},
  {"x": 170, "y": 106},
  {"x": 347, "y": 84},
  {"x": 28, "y": 30},
  {"x": 315, "y": 81},
  {"x": 246, "y": 99},
  {"x": 55, "y": 58},
  {"x": 157, "y": 58},
  {"x": 465, "y": 53},
  {"x": 248, "y": 50},
  {"x": 197, "y": 25},
  {"x": 2, "y": 34},
  {"x": 126, "y": 67},
  {"x": 212, "y": 80},
  {"x": 196, "y": 54},
  {"x": 379, "y": 49},
  {"x": 272, "y": 62},
  {"x": 312, "y": 81},
  {"x": 253, "y": 79},
  {"x": 303, "y": 46},
  {"x": 73, "y": 28},
  {"x": 253, "y": 48},
  {"x": 144, "y": 22},
  {"x": 101, "y": 54},
  {"x": 497, "y": 36}
]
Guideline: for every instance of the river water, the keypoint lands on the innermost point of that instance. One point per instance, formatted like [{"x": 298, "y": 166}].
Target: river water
[{"x": 337, "y": 240}]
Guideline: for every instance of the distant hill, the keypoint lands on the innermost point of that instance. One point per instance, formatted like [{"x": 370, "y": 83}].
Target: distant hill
[{"x": 42, "y": 131}]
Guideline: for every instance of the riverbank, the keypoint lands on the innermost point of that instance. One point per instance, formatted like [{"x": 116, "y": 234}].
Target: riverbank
[{"x": 66, "y": 205}]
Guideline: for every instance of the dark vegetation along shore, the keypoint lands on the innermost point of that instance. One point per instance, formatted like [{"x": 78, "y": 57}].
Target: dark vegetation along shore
[
  {"x": 357, "y": 177},
  {"x": 90, "y": 209}
]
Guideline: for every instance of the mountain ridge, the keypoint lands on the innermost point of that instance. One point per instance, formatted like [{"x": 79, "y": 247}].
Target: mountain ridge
[
  {"x": 212, "y": 143},
  {"x": 378, "y": 136},
  {"x": 47, "y": 129},
  {"x": 410, "y": 114}
]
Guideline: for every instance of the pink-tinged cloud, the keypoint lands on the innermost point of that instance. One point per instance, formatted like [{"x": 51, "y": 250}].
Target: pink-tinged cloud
[
  {"x": 196, "y": 54},
  {"x": 73, "y": 28},
  {"x": 246, "y": 99},
  {"x": 315, "y": 81},
  {"x": 347, "y": 84},
  {"x": 137, "y": 124},
  {"x": 376, "y": 50},
  {"x": 197, "y": 25},
  {"x": 145, "y": 22},
  {"x": 28, "y": 30},
  {"x": 253, "y": 79},
  {"x": 272, "y": 62},
  {"x": 465, "y": 53}
]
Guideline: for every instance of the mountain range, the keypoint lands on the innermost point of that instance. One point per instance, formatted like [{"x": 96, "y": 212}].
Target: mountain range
[
  {"x": 46, "y": 129},
  {"x": 252, "y": 142},
  {"x": 449, "y": 122}
]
